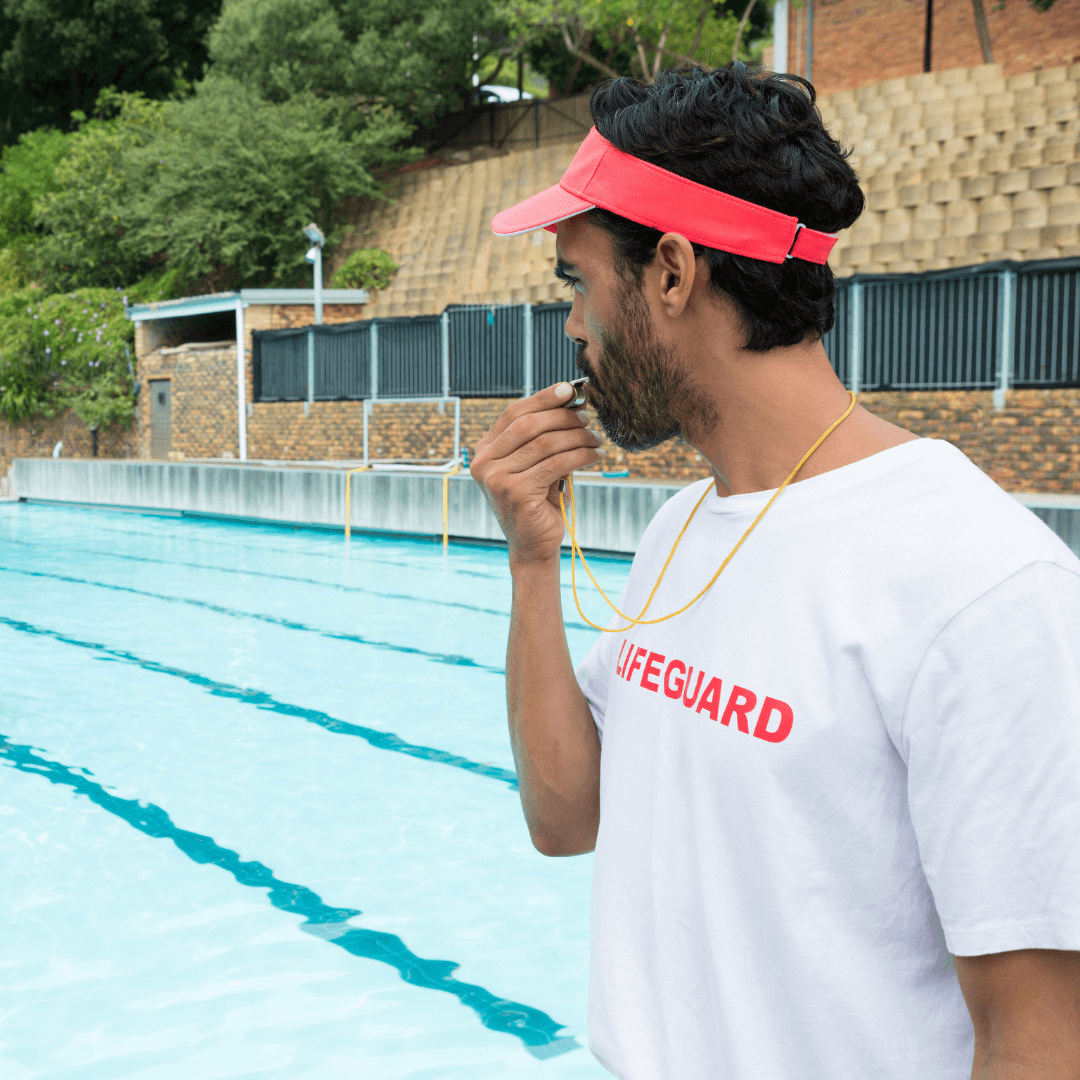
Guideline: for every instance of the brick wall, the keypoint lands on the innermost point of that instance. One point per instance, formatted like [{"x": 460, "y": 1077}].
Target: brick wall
[
  {"x": 1031, "y": 445},
  {"x": 857, "y": 42}
]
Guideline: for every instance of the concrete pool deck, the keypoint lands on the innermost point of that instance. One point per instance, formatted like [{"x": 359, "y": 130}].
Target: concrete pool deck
[{"x": 612, "y": 513}]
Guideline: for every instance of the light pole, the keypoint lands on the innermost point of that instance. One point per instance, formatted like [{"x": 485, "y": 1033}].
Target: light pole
[{"x": 314, "y": 256}]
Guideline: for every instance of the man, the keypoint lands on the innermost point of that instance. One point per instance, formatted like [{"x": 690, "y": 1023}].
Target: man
[{"x": 839, "y": 795}]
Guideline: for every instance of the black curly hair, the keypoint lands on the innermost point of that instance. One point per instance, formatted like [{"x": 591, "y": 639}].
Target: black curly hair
[{"x": 757, "y": 136}]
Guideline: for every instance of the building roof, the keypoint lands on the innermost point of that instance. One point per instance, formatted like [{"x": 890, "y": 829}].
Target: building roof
[{"x": 227, "y": 301}]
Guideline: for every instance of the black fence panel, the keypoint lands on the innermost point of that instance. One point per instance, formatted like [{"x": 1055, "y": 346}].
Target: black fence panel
[
  {"x": 280, "y": 361},
  {"x": 837, "y": 341},
  {"x": 410, "y": 357},
  {"x": 923, "y": 333},
  {"x": 487, "y": 351},
  {"x": 553, "y": 351},
  {"x": 343, "y": 361},
  {"x": 1046, "y": 349}
]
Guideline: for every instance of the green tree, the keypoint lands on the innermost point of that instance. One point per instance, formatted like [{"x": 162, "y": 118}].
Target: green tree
[
  {"x": 27, "y": 172},
  {"x": 57, "y": 55},
  {"x": 66, "y": 350},
  {"x": 418, "y": 57},
  {"x": 631, "y": 37},
  {"x": 83, "y": 217},
  {"x": 225, "y": 187},
  {"x": 368, "y": 268}
]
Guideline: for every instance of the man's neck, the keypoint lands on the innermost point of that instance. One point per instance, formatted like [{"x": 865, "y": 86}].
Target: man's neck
[{"x": 773, "y": 406}]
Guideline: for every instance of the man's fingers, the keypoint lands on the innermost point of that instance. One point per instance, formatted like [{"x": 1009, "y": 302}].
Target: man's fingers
[
  {"x": 551, "y": 397},
  {"x": 531, "y": 426},
  {"x": 546, "y": 472},
  {"x": 549, "y": 444}
]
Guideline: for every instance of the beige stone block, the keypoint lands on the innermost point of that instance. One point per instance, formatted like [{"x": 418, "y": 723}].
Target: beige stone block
[
  {"x": 896, "y": 232},
  {"x": 961, "y": 208},
  {"x": 1061, "y": 150},
  {"x": 1048, "y": 176},
  {"x": 954, "y": 78},
  {"x": 913, "y": 137},
  {"x": 1030, "y": 96},
  {"x": 1023, "y": 239},
  {"x": 995, "y": 204},
  {"x": 937, "y": 169},
  {"x": 855, "y": 256},
  {"x": 927, "y": 230},
  {"x": 930, "y": 211},
  {"x": 918, "y": 249},
  {"x": 1066, "y": 90},
  {"x": 966, "y": 166},
  {"x": 986, "y": 141},
  {"x": 1059, "y": 235},
  {"x": 995, "y": 223},
  {"x": 996, "y": 162},
  {"x": 962, "y": 226},
  {"x": 1027, "y": 158},
  {"x": 1024, "y": 81},
  {"x": 882, "y": 200},
  {"x": 913, "y": 194},
  {"x": 904, "y": 266},
  {"x": 887, "y": 252},
  {"x": 1032, "y": 117},
  {"x": 1011, "y": 182},
  {"x": 969, "y": 126},
  {"x": 978, "y": 187},
  {"x": 1054, "y": 76},
  {"x": 999, "y": 103},
  {"x": 1072, "y": 175},
  {"x": 950, "y": 247},
  {"x": 940, "y": 131},
  {"x": 986, "y": 243},
  {"x": 924, "y": 82},
  {"x": 1065, "y": 214},
  {"x": 1034, "y": 218},
  {"x": 1029, "y": 200},
  {"x": 1063, "y": 113},
  {"x": 1067, "y": 193},
  {"x": 1042, "y": 252},
  {"x": 892, "y": 86},
  {"x": 986, "y": 73}
]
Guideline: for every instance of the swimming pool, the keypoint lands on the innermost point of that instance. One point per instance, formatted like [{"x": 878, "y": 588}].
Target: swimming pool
[{"x": 258, "y": 814}]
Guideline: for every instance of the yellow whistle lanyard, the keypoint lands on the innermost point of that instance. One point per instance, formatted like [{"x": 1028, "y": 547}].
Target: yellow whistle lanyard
[{"x": 576, "y": 552}]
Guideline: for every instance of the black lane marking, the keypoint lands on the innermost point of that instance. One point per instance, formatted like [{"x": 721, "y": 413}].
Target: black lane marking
[
  {"x": 380, "y": 740},
  {"x": 274, "y": 620},
  {"x": 534, "y": 1028}
]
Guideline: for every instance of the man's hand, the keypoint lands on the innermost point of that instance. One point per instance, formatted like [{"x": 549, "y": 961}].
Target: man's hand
[
  {"x": 518, "y": 465},
  {"x": 1025, "y": 1008}
]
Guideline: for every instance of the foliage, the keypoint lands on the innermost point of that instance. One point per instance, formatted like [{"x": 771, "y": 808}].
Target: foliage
[
  {"x": 70, "y": 349},
  {"x": 368, "y": 268},
  {"x": 629, "y": 37},
  {"x": 230, "y": 180},
  {"x": 83, "y": 217},
  {"x": 57, "y": 55},
  {"x": 27, "y": 171},
  {"x": 417, "y": 56}
]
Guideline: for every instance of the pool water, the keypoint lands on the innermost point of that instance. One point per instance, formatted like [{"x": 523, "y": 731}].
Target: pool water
[{"x": 258, "y": 814}]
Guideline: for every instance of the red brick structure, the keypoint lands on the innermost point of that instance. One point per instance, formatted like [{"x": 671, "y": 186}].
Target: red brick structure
[{"x": 857, "y": 42}]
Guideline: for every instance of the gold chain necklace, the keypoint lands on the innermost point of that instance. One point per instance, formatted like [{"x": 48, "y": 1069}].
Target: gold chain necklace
[{"x": 576, "y": 552}]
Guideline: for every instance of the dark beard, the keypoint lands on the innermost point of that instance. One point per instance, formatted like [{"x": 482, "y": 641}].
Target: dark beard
[{"x": 644, "y": 396}]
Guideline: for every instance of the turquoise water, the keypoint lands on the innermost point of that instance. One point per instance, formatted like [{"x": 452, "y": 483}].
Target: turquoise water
[{"x": 258, "y": 814}]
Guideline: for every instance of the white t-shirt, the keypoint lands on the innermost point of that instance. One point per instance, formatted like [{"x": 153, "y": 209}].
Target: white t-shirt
[{"x": 858, "y": 753}]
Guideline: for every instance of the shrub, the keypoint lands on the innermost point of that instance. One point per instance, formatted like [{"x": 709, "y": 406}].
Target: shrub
[
  {"x": 66, "y": 350},
  {"x": 368, "y": 268}
]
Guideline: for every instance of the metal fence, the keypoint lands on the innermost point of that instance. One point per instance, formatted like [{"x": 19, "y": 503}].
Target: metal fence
[
  {"x": 994, "y": 326},
  {"x": 469, "y": 351},
  {"x": 986, "y": 327}
]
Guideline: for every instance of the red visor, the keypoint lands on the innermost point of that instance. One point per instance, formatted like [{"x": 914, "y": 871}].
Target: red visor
[{"x": 600, "y": 175}]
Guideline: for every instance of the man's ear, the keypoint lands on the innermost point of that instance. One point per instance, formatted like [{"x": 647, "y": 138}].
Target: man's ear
[{"x": 676, "y": 269}]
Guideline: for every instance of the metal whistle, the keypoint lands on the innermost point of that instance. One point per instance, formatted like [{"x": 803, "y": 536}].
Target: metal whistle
[{"x": 579, "y": 393}]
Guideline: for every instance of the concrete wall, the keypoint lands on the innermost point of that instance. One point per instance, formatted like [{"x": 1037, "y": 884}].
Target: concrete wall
[{"x": 611, "y": 516}]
